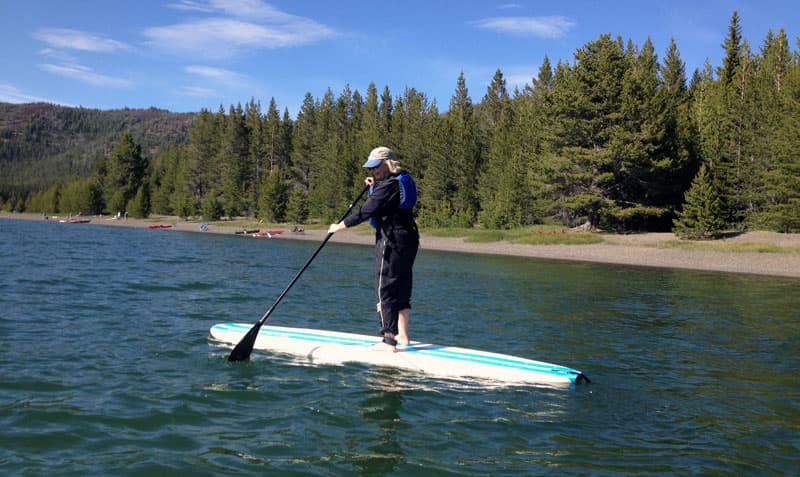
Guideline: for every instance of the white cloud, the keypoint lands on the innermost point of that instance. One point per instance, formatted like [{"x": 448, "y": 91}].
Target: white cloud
[
  {"x": 237, "y": 25},
  {"x": 11, "y": 94},
  {"x": 542, "y": 27},
  {"x": 57, "y": 55},
  {"x": 251, "y": 9},
  {"x": 77, "y": 40},
  {"x": 196, "y": 91},
  {"x": 191, "y": 6},
  {"x": 218, "y": 74},
  {"x": 86, "y": 75}
]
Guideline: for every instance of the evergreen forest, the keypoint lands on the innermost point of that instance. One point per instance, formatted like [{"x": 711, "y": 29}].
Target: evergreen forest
[{"x": 616, "y": 139}]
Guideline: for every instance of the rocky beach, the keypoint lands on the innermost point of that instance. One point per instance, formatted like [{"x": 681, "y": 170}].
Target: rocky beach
[{"x": 646, "y": 250}]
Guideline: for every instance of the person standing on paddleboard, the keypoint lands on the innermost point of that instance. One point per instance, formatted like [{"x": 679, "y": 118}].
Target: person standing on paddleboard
[{"x": 389, "y": 208}]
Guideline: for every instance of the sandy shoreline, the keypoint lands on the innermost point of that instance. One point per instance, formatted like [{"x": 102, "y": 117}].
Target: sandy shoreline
[{"x": 636, "y": 250}]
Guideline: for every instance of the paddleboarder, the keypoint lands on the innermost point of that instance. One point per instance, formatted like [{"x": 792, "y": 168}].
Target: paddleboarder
[{"x": 389, "y": 208}]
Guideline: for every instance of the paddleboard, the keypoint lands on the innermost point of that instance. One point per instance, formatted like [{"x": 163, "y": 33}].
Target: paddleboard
[{"x": 332, "y": 347}]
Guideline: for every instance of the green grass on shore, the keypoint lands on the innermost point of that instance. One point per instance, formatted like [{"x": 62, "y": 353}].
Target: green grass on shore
[
  {"x": 536, "y": 235},
  {"x": 728, "y": 247}
]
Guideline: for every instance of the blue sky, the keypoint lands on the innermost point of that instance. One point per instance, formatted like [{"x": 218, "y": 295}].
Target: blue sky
[{"x": 185, "y": 55}]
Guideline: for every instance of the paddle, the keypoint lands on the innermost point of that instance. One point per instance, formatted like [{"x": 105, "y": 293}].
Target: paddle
[{"x": 245, "y": 347}]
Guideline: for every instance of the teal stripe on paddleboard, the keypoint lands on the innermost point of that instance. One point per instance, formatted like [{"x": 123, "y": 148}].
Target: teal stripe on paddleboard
[
  {"x": 305, "y": 336},
  {"x": 502, "y": 361},
  {"x": 507, "y": 362}
]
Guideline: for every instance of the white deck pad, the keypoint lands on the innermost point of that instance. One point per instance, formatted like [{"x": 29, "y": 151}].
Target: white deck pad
[{"x": 332, "y": 347}]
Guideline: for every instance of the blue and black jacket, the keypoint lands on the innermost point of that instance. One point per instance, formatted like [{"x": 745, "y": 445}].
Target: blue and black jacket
[{"x": 389, "y": 208}]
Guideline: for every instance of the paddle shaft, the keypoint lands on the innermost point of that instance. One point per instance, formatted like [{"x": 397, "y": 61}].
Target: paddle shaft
[{"x": 243, "y": 350}]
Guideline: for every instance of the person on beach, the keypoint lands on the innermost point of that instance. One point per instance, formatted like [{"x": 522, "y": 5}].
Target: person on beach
[{"x": 389, "y": 208}]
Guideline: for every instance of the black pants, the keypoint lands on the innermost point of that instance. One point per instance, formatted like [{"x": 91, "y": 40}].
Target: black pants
[{"x": 394, "y": 261}]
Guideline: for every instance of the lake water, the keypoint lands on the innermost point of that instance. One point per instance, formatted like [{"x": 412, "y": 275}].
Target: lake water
[{"x": 107, "y": 369}]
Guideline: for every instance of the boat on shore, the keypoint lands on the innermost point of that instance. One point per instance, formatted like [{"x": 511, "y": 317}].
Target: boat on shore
[{"x": 268, "y": 233}]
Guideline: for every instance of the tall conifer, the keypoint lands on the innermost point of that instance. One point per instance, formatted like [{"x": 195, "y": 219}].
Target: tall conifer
[
  {"x": 125, "y": 172},
  {"x": 702, "y": 215}
]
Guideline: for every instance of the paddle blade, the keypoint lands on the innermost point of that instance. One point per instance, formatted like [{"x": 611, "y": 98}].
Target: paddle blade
[{"x": 242, "y": 350}]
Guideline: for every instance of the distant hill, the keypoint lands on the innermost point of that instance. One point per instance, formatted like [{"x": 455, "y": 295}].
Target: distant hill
[{"x": 42, "y": 143}]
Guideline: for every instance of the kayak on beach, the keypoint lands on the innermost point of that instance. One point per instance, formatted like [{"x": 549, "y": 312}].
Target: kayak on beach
[
  {"x": 331, "y": 347},
  {"x": 267, "y": 233}
]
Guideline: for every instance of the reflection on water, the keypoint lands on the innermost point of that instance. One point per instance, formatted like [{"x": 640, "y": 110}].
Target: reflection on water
[{"x": 380, "y": 411}]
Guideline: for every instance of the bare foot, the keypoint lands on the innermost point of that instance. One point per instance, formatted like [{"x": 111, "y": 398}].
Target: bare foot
[
  {"x": 403, "y": 340},
  {"x": 384, "y": 347}
]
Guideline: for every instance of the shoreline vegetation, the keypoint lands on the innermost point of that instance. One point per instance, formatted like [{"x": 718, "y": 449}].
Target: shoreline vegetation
[{"x": 759, "y": 253}]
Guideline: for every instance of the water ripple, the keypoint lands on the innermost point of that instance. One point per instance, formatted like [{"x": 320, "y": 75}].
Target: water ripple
[{"x": 107, "y": 368}]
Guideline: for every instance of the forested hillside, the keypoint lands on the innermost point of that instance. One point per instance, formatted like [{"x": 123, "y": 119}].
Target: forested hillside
[
  {"x": 41, "y": 144},
  {"x": 614, "y": 138}
]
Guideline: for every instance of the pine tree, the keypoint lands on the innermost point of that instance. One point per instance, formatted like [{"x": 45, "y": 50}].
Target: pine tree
[
  {"x": 702, "y": 215},
  {"x": 323, "y": 186},
  {"x": 707, "y": 109},
  {"x": 634, "y": 148},
  {"x": 534, "y": 141},
  {"x": 385, "y": 119},
  {"x": 370, "y": 130},
  {"x": 212, "y": 208},
  {"x": 777, "y": 175},
  {"x": 493, "y": 103},
  {"x": 544, "y": 80},
  {"x": 732, "y": 46},
  {"x": 503, "y": 179},
  {"x": 732, "y": 100},
  {"x": 48, "y": 201},
  {"x": 413, "y": 129},
  {"x": 125, "y": 171},
  {"x": 81, "y": 195},
  {"x": 498, "y": 181},
  {"x": 273, "y": 197},
  {"x": 349, "y": 174},
  {"x": 234, "y": 161},
  {"x": 139, "y": 206},
  {"x": 303, "y": 143},
  {"x": 254, "y": 165},
  {"x": 633, "y": 144},
  {"x": 185, "y": 198},
  {"x": 201, "y": 172},
  {"x": 165, "y": 179},
  {"x": 271, "y": 140},
  {"x": 587, "y": 114},
  {"x": 276, "y": 144},
  {"x": 450, "y": 197},
  {"x": 297, "y": 206},
  {"x": 676, "y": 159}
]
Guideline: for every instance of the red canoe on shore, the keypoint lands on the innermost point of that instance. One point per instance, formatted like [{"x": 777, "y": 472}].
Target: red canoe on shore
[{"x": 267, "y": 233}]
